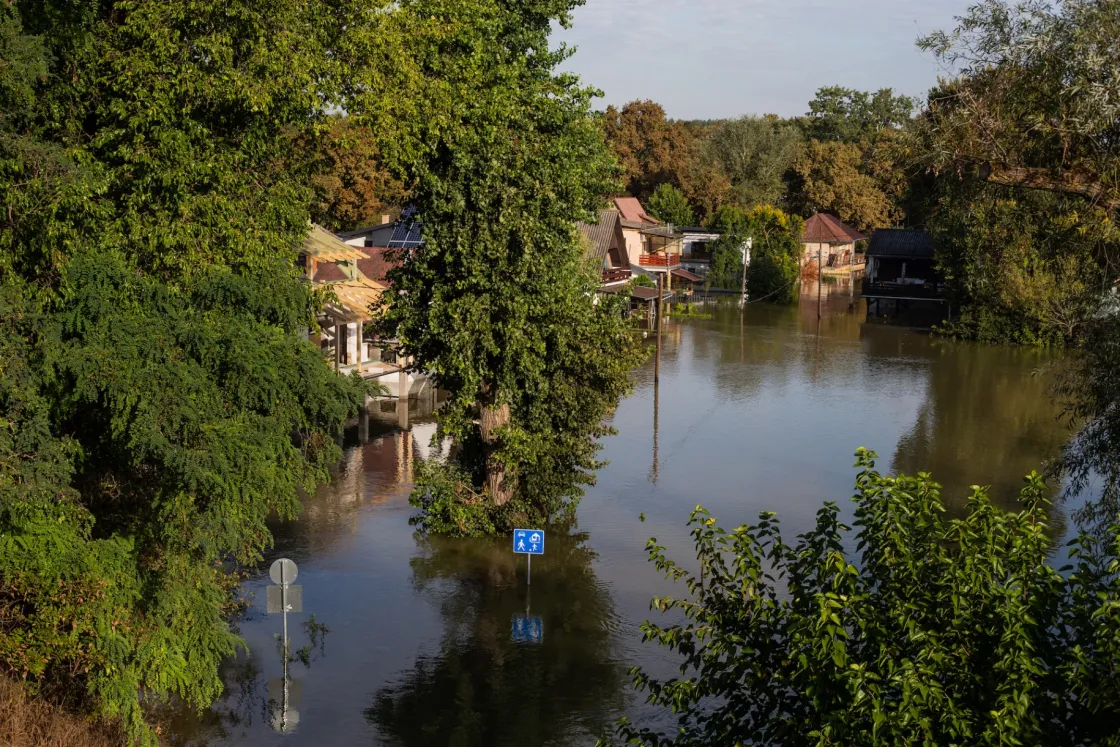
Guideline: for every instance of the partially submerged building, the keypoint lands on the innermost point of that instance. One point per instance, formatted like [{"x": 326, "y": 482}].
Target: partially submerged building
[{"x": 901, "y": 274}]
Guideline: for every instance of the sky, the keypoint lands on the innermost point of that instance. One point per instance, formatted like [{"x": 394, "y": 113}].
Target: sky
[{"x": 710, "y": 59}]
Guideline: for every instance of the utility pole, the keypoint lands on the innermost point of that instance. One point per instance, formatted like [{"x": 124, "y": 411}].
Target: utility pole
[
  {"x": 743, "y": 291},
  {"x": 820, "y": 276},
  {"x": 657, "y": 362}
]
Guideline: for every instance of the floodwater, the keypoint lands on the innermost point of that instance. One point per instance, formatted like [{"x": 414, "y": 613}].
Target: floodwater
[{"x": 759, "y": 411}]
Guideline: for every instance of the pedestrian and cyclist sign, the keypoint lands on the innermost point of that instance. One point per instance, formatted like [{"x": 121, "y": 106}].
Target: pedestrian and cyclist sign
[{"x": 528, "y": 541}]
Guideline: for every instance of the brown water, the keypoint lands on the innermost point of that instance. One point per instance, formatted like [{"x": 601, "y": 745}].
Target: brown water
[{"x": 755, "y": 411}]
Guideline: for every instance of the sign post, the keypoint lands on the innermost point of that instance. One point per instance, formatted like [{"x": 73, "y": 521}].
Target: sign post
[
  {"x": 285, "y": 598},
  {"x": 528, "y": 542}
]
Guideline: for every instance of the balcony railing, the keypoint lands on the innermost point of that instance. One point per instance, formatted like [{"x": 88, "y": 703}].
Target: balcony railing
[
  {"x": 929, "y": 290},
  {"x": 659, "y": 260},
  {"x": 615, "y": 275}
]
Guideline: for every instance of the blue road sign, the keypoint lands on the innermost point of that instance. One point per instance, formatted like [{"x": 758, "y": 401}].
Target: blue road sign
[
  {"x": 527, "y": 629},
  {"x": 528, "y": 541}
]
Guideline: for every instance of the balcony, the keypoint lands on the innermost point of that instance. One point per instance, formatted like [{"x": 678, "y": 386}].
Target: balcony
[
  {"x": 659, "y": 260},
  {"x": 931, "y": 289},
  {"x": 616, "y": 275}
]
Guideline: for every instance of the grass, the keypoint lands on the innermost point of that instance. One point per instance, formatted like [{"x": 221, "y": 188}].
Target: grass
[{"x": 30, "y": 722}]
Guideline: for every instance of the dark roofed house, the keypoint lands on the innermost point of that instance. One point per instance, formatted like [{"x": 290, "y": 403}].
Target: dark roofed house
[
  {"x": 607, "y": 244},
  {"x": 830, "y": 241},
  {"x": 900, "y": 268}
]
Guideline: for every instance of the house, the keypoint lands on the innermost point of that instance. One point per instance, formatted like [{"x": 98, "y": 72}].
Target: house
[
  {"x": 375, "y": 235},
  {"x": 345, "y": 270},
  {"x": 652, "y": 247},
  {"x": 697, "y": 245},
  {"x": 900, "y": 271},
  {"x": 829, "y": 241},
  {"x": 607, "y": 244}
]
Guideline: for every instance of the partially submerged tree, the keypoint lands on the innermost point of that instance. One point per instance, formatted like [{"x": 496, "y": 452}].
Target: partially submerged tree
[
  {"x": 936, "y": 632},
  {"x": 775, "y": 265},
  {"x": 500, "y": 305}
]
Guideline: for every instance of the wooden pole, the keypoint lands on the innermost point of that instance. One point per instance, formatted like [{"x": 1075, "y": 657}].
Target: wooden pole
[
  {"x": 820, "y": 277},
  {"x": 743, "y": 290},
  {"x": 361, "y": 345}
]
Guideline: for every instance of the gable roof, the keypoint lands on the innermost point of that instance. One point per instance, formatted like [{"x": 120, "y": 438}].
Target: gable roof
[
  {"x": 379, "y": 260},
  {"x": 823, "y": 228},
  {"x": 901, "y": 242},
  {"x": 632, "y": 211},
  {"x": 326, "y": 247},
  {"x": 604, "y": 234}
]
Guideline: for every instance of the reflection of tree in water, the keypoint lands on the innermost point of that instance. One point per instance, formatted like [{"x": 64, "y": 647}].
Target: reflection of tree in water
[
  {"x": 987, "y": 420},
  {"x": 482, "y": 688}
]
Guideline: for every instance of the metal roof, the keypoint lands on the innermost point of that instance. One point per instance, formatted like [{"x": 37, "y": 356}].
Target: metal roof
[
  {"x": 602, "y": 236},
  {"x": 692, "y": 277},
  {"x": 901, "y": 242}
]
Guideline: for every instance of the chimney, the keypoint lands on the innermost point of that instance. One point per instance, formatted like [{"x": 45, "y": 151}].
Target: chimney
[{"x": 384, "y": 218}]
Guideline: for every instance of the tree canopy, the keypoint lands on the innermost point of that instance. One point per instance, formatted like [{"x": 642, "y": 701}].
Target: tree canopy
[
  {"x": 831, "y": 178},
  {"x": 932, "y": 631},
  {"x": 500, "y": 304},
  {"x": 668, "y": 204},
  {"x": 848, "y": 116},
  {"x": 651, "y": 149}
]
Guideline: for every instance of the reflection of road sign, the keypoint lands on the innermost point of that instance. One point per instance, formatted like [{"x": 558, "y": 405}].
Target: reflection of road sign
[
  {"x": 276, "y": 692},
  {"x": 527, "y": 629},
  {"x": 283, "y": 572},
  {"x": 276, "y": 595},
  {"x": 528, "y": 541}
]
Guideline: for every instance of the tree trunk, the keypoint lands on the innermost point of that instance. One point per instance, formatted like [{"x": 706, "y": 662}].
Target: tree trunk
[
  {"x": 493, "y": 418},
  {"x": 1066, "y": 182}
]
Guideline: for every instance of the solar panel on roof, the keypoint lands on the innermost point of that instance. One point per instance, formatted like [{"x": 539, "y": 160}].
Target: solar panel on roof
[{"x": 407, "y": 233}]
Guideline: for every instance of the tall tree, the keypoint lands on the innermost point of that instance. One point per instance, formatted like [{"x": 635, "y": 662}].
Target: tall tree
[
  {"x": 668, "y": 204},
  {"x": 848, "y": 116},
  {"x": 830, "y": 178},
  {"x": 755, "y": 153},
  {"x": 650, "y": 149},
  {"x": 500, "y": 304},
  {"x": 152, "y": 370},
  {"x": 352, "y": 186}
]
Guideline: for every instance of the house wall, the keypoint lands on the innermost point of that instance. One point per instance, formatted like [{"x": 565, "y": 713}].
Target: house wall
[
  {"x": 827, "y": 252},
  {"x": 634, "y": 244}
]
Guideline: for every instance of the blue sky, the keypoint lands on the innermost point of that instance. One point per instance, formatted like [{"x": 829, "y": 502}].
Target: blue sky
[{"x": 705, "y": 59}]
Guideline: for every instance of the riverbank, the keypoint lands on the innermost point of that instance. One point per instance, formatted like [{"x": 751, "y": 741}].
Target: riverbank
[{"x": 32, "y": 722}]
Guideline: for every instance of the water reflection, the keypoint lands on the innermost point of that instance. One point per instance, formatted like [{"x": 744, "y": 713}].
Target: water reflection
[{"x": 484, "y": 688}]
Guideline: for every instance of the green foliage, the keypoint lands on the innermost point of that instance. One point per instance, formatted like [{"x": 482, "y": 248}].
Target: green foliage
[
  {"x": 644, "y": 281},
  {"x": 650, "y": 149},
  {"x": 830, "y": 177},
  {"x": 157, "y": 400},
  {"x": 726, "y": 268},
  {"x": 940, "y": 632},
  {"x": 500, "y": 305},
  {"x": 774, "y": 270},
  {"x": 1090, "y": 387},
  {"x": 754, "y": 153},
  {"x": 848, "y": 116},
  {"x": 1022, "y": 267},
  {"x": 668, "y": 204}
]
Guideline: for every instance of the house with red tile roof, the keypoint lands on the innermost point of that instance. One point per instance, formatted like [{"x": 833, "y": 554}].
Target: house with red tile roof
[{"x": 829, "y": 241}]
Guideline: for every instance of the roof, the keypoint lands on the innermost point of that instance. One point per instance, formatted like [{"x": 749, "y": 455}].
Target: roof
[
  {"x": 823, "y": 228},
  {"x": 686, "y": 275},
  {"x": 379, "y": 260},
  {"x": 355, "y": 297},
  {"x": 326, "y": 247},
  {"x": 901, "y": 242},
  {"x": 406, "y": 231},
  {"x": 632, "y": 210},
  {"x": 602, "y": 235},
  {"x": 329, "y": 272},
  {"x": 644, "y": 293}
]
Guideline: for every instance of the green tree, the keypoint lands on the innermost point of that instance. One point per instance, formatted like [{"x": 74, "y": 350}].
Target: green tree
[
  {"x": 830, "y": 178},
  {"x": 775, "y": 265},
  {"x": 668, "y": 204},
  {"x": 939, "y": 632},
  {"x": 732, "y": 223},
  {"x": 158, "y": 400},
  {"x": 500, "y": 304},
  {"x": 754, "y": 153},
  {"x": 844, "y": 115}
]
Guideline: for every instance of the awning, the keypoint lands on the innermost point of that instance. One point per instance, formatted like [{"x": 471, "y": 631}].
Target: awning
[
  {"x": 686, "y": 275},
  {"x": 355, "y": 297}
]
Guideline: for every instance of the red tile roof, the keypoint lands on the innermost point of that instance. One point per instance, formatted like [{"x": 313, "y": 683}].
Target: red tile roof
[
  {"x": 329, "y": 272},
  {"x": 632, "y": 210},
  {"x": 377, "y": 264},
  {"x": 823, "y": 228}
]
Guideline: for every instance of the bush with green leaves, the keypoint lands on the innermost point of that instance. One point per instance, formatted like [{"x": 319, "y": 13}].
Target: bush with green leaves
[
  {"x": 914, "y": 629},
  {"x": 667, "y": 203}
]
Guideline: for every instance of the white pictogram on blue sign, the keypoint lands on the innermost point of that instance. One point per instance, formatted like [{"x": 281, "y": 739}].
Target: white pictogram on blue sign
[
  {"x": 528, "y": 541},
  {"x": 527, "y": 629}
]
